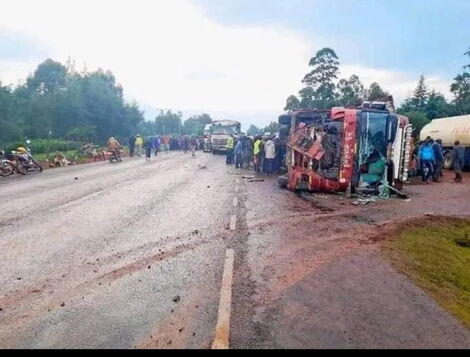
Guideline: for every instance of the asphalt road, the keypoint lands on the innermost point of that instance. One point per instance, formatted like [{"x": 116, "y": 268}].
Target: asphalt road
[
  {"x": 132, "y": 255},
  {"x": 94, "y": 255}
]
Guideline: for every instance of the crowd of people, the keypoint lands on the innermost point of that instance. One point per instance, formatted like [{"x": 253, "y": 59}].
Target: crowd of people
[
  {"x": 265, "y": 154},
  {"x": 152, "y": 145},
  {"x": 430, "y": 156}
]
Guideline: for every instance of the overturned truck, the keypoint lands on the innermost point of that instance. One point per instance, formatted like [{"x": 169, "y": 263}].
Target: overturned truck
[{"x": 357, "y": 150}]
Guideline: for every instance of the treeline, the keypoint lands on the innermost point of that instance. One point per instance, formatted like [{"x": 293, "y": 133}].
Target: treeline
[
  {"x": 323, "y": 90},
  {"x": 168, "y": 122},
  {"x": 56, "y": 101}
]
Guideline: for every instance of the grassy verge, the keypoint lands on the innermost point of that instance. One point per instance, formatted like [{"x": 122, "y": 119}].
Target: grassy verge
[
  {"x": 71, "y": 155},
  {"x": 435, "y": 254}
]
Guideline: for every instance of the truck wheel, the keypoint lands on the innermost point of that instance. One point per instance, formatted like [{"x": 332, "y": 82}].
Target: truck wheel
[{"x": 448, "y": 161}]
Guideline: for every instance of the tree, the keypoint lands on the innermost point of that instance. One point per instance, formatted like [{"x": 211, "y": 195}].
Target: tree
[
  {"x": 418, "y": 120},
  {"x": 351, "y": 91},
  {"x": 49, "y": 77},
  {"x": 56, "y": 101},
  {"x": 467, "y": 66},
  {"x": 321, "y": 78},
  {"x": 168, "y": 123},
  {"x": 419, "y": 98},
  {"x": 376, "y": 93},
  {"x": 437, "y": 106},
  {"x": 292, "y": 103},
  {"x": 461, "y": 89},
  {"x": 253, "y": 130},
  {"x": 9, "y": 130},
  {"x": 272, "y": 128},
  {"x": 195, "y": 124},
  {"x": 306, "y": 98}
]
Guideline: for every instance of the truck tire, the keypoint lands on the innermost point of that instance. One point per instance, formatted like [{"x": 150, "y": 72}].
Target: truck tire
[{"x": 448, "y": 161}]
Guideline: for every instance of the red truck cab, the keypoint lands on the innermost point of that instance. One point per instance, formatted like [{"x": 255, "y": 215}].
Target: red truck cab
[{"x": 342, "y": 149}]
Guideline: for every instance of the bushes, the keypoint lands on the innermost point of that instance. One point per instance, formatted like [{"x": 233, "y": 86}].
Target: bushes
[{"x": 44, "y": 146}]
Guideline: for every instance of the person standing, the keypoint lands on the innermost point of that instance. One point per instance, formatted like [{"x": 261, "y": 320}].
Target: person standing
[
  {"x": 131, "y": 143},
  {"x": 269, "y": 156},
  {"x": 247, "y": 152},
  {"x": 257, "y": 153},
  {"x": 438, "y": 160},
  {"x": 239, "y": 154},
  {"x": 458, "y": 155},
  {"x": 229, "y": 146},
  {"x": 156, "y": 145},
  {"x": 426, "y": 159},
  {"x": 193, "y": 142},
  {"x": 185, "y": 144},
  {"x": 148, "y": 146},
  {"x": 139, "y": 144}
]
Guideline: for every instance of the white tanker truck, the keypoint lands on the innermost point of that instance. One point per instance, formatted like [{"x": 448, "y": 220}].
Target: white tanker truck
[{"x": 449, "y": 130}]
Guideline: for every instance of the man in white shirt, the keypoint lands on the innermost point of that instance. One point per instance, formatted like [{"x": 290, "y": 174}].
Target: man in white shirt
[{"x": 269, "y": 156}]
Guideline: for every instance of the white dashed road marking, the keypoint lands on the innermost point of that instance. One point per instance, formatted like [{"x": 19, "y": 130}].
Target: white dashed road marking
[{"x": 222, "y": 331}]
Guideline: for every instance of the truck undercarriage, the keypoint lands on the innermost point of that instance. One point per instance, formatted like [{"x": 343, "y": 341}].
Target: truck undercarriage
[{"x": 340, "y": 150}]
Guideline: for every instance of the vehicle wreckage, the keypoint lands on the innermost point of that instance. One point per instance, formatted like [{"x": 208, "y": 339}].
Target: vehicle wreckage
[{"x": 360, "y": 150}]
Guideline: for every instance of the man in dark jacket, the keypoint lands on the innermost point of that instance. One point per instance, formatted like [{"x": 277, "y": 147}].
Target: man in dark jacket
[
  {"x": 438, "y": 160},
  {"x": 131, "y": 146},
  {"x": 458, "y": 155}
]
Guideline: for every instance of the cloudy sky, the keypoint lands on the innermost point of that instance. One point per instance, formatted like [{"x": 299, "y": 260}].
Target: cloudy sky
[{"x": 236, "y": 59}]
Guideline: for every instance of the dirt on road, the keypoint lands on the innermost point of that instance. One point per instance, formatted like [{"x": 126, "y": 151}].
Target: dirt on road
[
  {"x": 131, "y": 255},
  {"x": 321, "y": 279}
]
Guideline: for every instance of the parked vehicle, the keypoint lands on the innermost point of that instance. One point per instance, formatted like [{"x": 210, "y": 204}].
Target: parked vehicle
[
  {"x": 450, "y": 130},
  {"x": 221, "y": 131},
  {"x": 7, "y": 167},
  {"x": 115, "y": 156},
  {"x": 349, "y": 150},
  {"x": 24, "y": 161}
]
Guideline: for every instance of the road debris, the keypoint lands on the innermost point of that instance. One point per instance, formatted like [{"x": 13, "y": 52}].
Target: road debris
[
  {"x": 176, "y": 299},
  {"x": 364, "y": 201}
]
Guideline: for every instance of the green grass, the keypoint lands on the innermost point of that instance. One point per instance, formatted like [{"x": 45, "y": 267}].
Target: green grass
[{"x": 432, "y": 253}]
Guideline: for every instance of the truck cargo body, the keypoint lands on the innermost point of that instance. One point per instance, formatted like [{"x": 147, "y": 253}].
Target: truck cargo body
[
  {"x": 450, "y": 130},
  {"x": 221, "y": 130},
  {"x": 342, "y": 149}
]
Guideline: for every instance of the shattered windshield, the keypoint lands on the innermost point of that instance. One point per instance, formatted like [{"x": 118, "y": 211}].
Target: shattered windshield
[
  {"x": 224, "y": 130},
  {"x": 376, "y": 131}
]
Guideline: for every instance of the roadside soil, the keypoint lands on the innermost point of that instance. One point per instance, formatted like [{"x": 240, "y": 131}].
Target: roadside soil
[{"x": 320, "y": 279}]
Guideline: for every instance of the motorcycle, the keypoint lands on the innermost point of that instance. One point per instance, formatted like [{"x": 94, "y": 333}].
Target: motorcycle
[
  {"x": 25, "y": 161},
  {"x": 7, "y": 167},
  {"x": 115, "y": 156}
]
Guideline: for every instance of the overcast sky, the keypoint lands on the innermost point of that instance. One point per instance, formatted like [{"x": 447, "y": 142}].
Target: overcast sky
[{"x": 236, "y": 59}]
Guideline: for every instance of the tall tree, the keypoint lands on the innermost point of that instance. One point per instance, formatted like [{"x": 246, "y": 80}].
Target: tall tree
[
  {"x": 253, "y": 130},
  {"x": 437, "y": 106},
  {"x": 195, "y": 124},
  {"x": 418, "y": 100},
  {"x": 292, "y": 103},
  {"x": 418, "y": 120},
  {"x": 461, "y": 90},
  {"x": 168, "y": 123},
  {"x": 376, "y": 93},
  {"x": 272, "y": 128},
  {"x": 351, "y": 91},
  {"x": 321, "y": 79}
]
